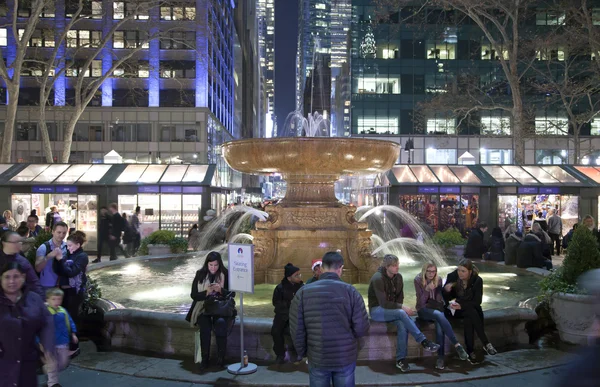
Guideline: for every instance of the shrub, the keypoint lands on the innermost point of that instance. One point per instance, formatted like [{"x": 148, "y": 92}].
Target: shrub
[
  {"x": 178, "y": 245},
  {"x": 161, "y": 237},
  {"x": 42, "y": 237},
  {"x": 92, "y": 294},
  {"x": 582, "y": 255},
  {"x": 449, "y": 238},
  {"x": 143, "y": 250}
]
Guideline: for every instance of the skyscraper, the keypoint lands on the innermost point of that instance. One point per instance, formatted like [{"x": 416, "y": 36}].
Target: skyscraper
[
  {"x": 266, "y": 41},
  {"x": 322, "y": 68}
]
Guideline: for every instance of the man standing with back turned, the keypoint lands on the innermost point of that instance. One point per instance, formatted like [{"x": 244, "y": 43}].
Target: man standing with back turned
[{"x": 326, "y": 319}]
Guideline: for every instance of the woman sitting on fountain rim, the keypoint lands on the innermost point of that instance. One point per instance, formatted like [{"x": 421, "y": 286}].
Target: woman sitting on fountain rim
[
  {"x": 430, "y": 307},
  {"x": 211, "y": 282},
  {"x": 464, "y": 291},
  {"x": 386, "y": 295}
]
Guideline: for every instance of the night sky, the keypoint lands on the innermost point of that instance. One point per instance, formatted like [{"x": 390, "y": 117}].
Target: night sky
[{"x": 286, "y": 40}]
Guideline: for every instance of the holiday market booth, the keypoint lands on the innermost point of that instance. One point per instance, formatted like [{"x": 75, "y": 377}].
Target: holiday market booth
[
  {"x": 445, "y": 196},
  {"x": 171, "y": 196}
]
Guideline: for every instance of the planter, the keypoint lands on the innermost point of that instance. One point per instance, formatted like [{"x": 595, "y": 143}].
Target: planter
[
  {"x": 574, "y": 316},
  {"x": 159, "y": 249}
]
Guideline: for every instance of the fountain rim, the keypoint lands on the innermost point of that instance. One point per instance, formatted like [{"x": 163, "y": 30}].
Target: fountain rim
[{"x": 307, "y": 139}]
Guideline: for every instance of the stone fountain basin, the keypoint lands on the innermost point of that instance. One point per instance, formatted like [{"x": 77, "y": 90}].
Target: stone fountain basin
[{"x": 311, "y": 155}]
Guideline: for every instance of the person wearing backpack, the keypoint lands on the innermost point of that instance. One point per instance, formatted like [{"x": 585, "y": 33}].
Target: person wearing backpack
[
  {"x": 47, "y": 252},
  {"x": 64, "y": 334}
]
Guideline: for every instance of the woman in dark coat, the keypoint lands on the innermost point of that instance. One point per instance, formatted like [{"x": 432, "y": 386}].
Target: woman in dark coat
[
  {"x": 71, "y": 272},
  {"x": 211, "y": 280},
  {"x": 23, "y": 317},
  {"x": 465, "y": 287},
  {"x": 496, "y": 252}
]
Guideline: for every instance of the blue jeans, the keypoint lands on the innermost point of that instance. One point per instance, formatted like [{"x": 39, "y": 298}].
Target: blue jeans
[
  {"x": 442, "y": 327},
  {"x": 343, "y": 377},
  {"x": 404, "y": 324}
]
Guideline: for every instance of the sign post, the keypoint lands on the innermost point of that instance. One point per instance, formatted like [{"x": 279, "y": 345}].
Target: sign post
[{"x": 241, "y": 279}]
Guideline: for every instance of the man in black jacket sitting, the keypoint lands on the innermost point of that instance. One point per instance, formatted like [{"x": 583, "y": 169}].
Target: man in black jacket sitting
[
  {"x": 475, "y": 244},
  {"x": 282, "y": 299},
  {"x": 326, "y": 320}
]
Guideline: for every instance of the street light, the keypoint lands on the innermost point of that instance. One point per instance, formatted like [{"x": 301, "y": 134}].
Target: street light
[{"x": 409, "y": 147}]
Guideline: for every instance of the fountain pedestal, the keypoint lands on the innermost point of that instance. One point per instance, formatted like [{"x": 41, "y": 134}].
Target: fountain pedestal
[{"x": 310, "y": 221}]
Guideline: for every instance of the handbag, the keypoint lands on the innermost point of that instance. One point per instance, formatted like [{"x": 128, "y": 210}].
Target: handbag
[
  {"x": 220, "y": 306},
  {"x": 434, "y": 304}
]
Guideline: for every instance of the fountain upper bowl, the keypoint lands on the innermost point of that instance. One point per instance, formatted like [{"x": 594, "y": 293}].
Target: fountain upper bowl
[{"x": 311, "y": 155}]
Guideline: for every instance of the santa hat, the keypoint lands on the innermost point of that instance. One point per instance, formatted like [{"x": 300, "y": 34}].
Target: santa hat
[{"x": 315, "y": 263}]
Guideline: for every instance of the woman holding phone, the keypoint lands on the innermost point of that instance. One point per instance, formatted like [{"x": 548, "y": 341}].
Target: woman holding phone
[
  {"x": 210, "y": 281},
  {"x": 464, "y": 291}
]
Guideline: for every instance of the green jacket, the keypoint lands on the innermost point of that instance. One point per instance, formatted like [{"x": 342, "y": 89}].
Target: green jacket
[
  {"x": 385, "y": 291},
  {"x": 311, "y": 280}
]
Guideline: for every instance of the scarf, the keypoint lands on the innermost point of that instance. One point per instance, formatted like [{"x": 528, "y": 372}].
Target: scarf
[{"x": 203, "y": 286}]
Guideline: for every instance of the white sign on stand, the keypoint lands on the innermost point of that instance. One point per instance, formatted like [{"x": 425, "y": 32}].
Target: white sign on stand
[
  {"x": 241, "y": 279},
  {"x": 241, "y": 268}
]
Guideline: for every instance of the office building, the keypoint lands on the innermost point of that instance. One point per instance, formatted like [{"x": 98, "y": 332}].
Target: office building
[{"x": 266, "y": 41}]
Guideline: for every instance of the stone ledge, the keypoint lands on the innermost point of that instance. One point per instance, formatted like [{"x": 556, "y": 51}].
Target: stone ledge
[{"x": 170, "y": 334}]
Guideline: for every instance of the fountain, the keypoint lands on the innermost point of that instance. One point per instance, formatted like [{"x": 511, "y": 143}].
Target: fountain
[{"x": 310, "y": 220}]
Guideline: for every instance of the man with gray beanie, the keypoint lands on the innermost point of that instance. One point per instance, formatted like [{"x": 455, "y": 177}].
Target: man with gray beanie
[{"x": 326, "y": 319}]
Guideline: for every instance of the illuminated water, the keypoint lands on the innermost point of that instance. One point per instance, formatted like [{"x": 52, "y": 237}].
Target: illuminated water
[{"x": 164, "y": 285}]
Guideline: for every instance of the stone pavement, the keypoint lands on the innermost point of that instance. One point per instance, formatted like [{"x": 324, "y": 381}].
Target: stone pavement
[{"x": 153, "y": 371}]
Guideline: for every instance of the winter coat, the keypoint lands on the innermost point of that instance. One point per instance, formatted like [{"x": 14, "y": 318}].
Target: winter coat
[
  {"x": 326, "y": 319},
  {"x": 543, "y": 223},
  {"x": 547, "y": 246},
  {"x": 311, "y": 280},
  {"x": 472, "y": 296},
  {"x": 21, "y": 323},
  {"x": 71, "y": 270},
  {"x": 31, "y": 279},
  {"x": 117, "y": 225},
  {"x": 201, "y": 296},
  {"x": 423, "y": 295},
  {"x": 529, "y": 253},
  {"x": 567, "y": 238},
  {"x": 385, "y": 291},
  {"x": 64, "y": 325},
  {"x": 475, "y": 247},
  {"x": 555, "y": 225},
  {"x": 496, "y": 252},
  {"x": 282, "y": 298},
  {"x": 104, "y": 227},
  {"x": 510, "y": 249}
]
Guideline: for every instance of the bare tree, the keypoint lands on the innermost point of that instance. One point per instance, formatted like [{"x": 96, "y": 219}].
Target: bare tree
[
  {"x": 12, "y": 66},
  {"x": 502, "y": 24}
]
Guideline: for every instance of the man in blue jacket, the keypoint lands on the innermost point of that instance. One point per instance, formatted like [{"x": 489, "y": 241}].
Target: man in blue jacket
[{"x": 326, "y": 320}]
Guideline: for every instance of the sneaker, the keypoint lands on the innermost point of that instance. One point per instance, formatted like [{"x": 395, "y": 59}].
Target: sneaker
[
  {"x": 280, "y": 360},
  {"x": 97, "y": 260},
  {"x": 439, "y": 364},
  {"x": 402, "y": 365},
  {"x": 489, "y": 349},
  {"x": 473, "y": 358},
  {"x": 462, "y": 354},
  {"x": 429, "y": 346}
]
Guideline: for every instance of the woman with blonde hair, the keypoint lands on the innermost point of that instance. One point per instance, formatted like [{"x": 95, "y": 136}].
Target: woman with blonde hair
[
  {"x": 430, "y": 307},
  {"x": 11, "y": 223}
]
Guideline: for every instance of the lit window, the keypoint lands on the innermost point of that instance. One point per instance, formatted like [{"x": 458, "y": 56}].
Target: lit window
[
  {"x": 143, "y": 70},
  {"x": 495, "y": 156},
  {"x": 320, "y": 6},
  {"x": 379, "y": 85},
  {"x": 118, "y": 39},
  {"x": 557, "y": 53},
  {"x": 72, "y": 38},
  {"x": 96, "y": 9},
  {"x": 388, "y": 53},
  {"x": 3, "y": 37},
  {"x": 378, "y": 125},
  {"x": 595, "y": 127},
  {"x": 550, "y": 18},
  {"x": 552, "y": 125},
  {"x": 596, "y": 16},
  {"x": 488, "y": 53},
  {"x": 119, "y": 10},
  {"x": 441, "y": 126},
  {"x": 551, "y": 156},
  {"x": 440, "y": 50},
  {"x": 494, "y": 125},
  {"x": 440, "y": 156},
  {"x": 96, "y": 68}
]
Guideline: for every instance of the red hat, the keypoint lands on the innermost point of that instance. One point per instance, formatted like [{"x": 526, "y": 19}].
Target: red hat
[{"x": 316, "y": 262}]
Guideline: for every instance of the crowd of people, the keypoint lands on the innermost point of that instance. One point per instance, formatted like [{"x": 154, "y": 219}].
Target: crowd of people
[
  {"x": 327, "y": 333},
  {"x": 535, "y": 248},
  {"x": 114, "y": 228},
  {"x": 40, "y": 304}
]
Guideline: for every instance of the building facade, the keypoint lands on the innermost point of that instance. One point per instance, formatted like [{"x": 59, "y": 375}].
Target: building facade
[
  {"x": 323, "y": 71},
  {"x": 171, "y": 101},
  {"x": 266, "y": 41},
  {"x": 396, "y": 66}
]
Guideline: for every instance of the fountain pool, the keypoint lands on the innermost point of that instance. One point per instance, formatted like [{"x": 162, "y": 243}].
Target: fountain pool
[{"x": 164, "y": 286}]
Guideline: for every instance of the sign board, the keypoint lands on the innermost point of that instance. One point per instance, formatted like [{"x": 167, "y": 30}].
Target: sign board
[
  {"x": 450, "y": 190},
  {"x": 192, "y": 190},
  {"x": 66, "y": 189},
  {"x": 428, "y": 189},
  {"x": 550, "y": 190},
  {"x": 170, "y": 189},
  {"x": 241, "y": 267},
  {"x": 527, "y": 190},
  {"x": 42, "y": 189},
  {"x": 148, "y": 189}
]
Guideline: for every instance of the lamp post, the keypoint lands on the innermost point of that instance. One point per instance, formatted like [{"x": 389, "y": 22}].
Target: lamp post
[{"x": 409, "y": 148}]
